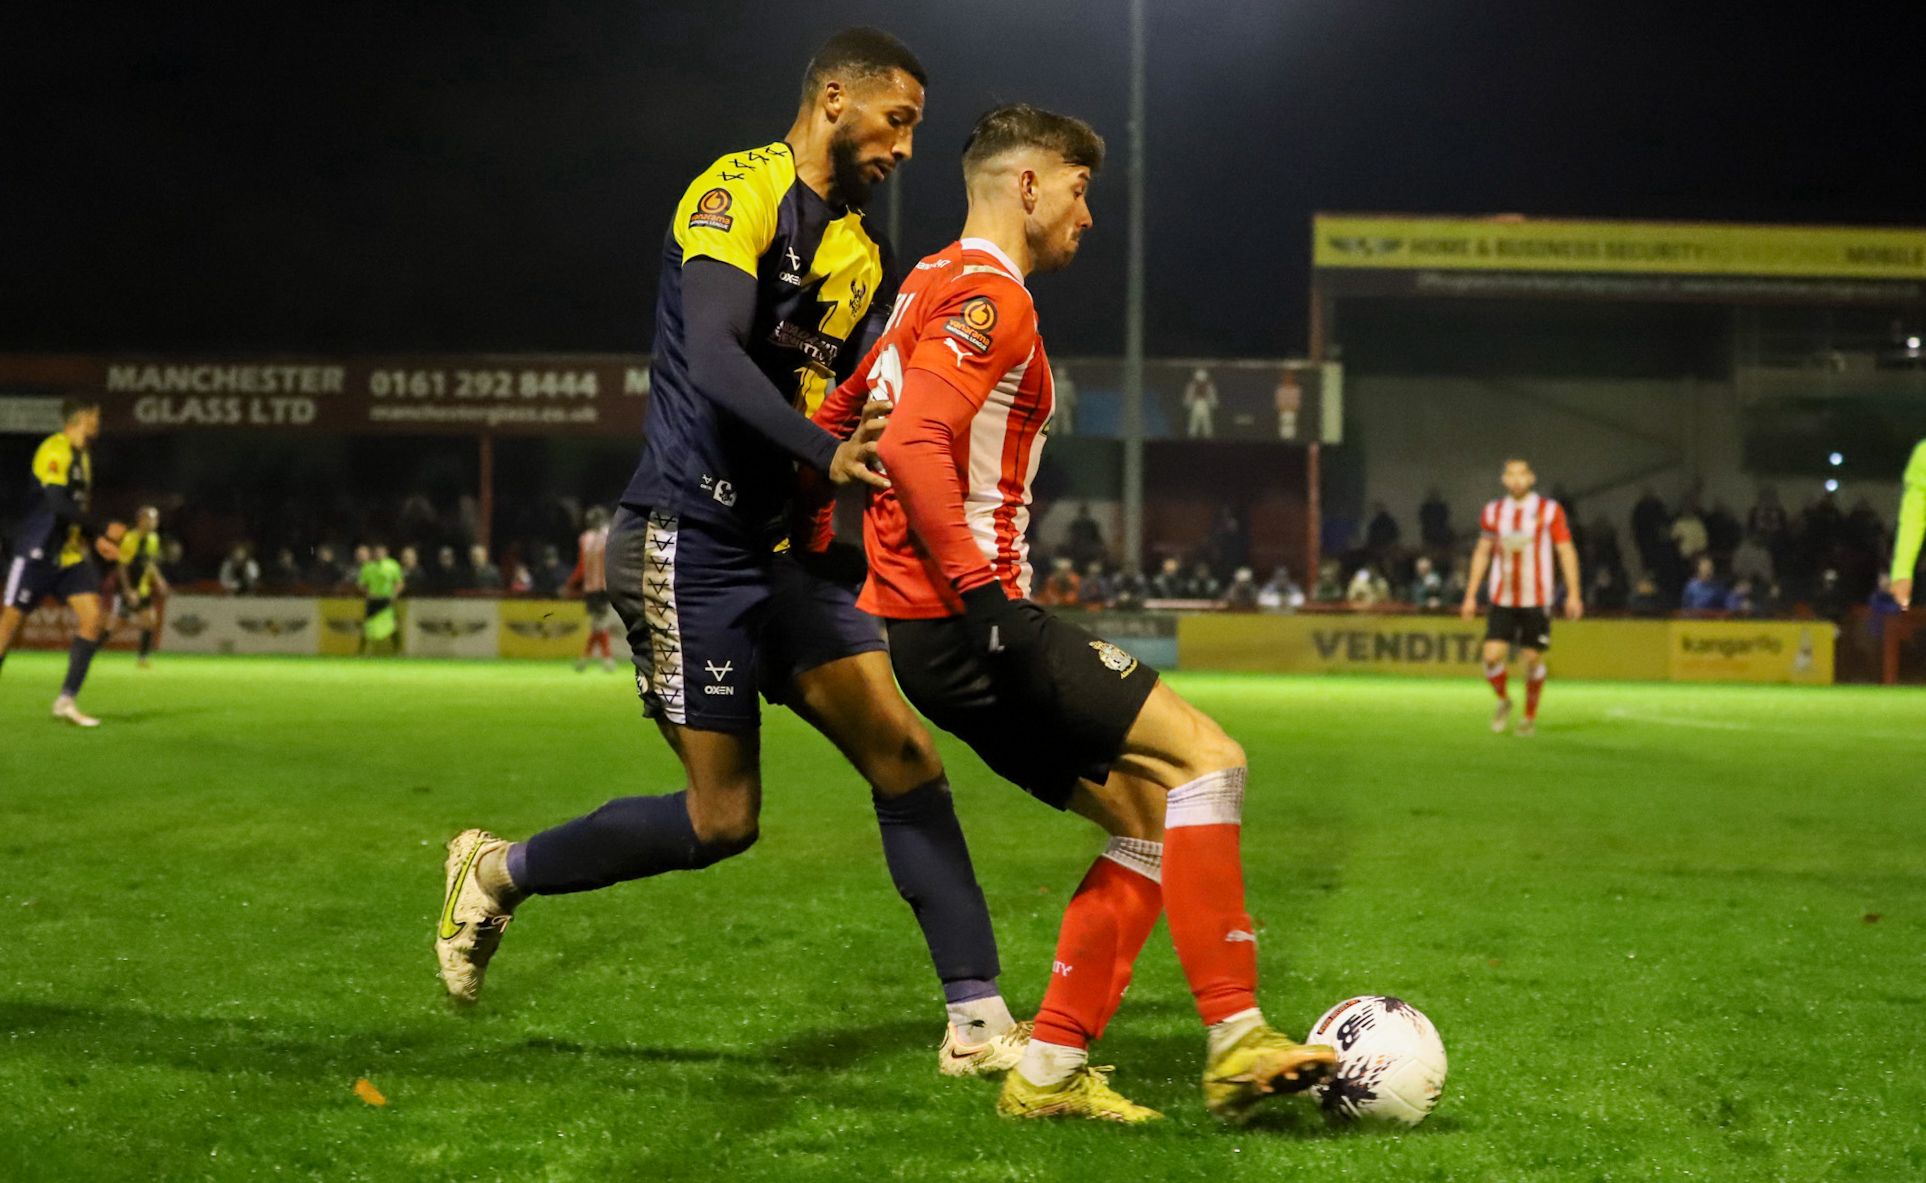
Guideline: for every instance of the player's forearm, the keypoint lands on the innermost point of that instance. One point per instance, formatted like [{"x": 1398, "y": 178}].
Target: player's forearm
[
  {"x": 67, "y": 510},
  {"x": 842, "y": 409},
  {"x": 1568, "y": 563},
  {"x": 720, "y": 304},
  {"x": 918, "y": 448},
  {"x": 1480, "y": 566}
]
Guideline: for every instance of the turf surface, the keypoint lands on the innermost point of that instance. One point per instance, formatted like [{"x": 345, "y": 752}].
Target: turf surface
[{"x": 1681, "y": 934}]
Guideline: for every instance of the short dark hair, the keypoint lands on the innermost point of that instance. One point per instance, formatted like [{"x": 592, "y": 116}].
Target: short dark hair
[
  {"x": 861, "y": 52},
  {"x": 77, "y": 404},
  {"x": 1019, "y": 125}
]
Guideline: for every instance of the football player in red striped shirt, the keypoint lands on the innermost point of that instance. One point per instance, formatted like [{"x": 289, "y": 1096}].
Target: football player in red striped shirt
[
  {"x": 1518, "y": 534},
  {"x": 1074, "y": 720}
]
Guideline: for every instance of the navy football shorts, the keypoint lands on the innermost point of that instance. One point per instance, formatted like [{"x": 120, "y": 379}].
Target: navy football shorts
[
  {"x": 31, "y": 580},
  {"x": 714, "y": 621}
]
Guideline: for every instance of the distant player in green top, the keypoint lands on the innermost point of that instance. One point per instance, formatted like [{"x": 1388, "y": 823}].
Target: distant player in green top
[
  {"x": 1912, "y": 526},
  {"x": 380, "y": 580}
]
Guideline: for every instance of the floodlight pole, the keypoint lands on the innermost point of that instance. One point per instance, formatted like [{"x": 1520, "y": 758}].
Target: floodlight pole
[{"x": 1133, "y": 368}]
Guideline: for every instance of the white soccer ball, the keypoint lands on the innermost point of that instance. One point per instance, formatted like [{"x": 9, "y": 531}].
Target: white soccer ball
[{"x": 1391, "y": 1063}]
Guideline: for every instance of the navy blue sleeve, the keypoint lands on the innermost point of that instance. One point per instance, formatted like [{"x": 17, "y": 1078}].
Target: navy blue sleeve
[
  {"x": 66, "y": 510},
  {"x": 719, "y": 309}
]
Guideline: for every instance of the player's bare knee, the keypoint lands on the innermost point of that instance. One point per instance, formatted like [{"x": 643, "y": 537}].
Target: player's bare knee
[{"x": 726, "y": 833}]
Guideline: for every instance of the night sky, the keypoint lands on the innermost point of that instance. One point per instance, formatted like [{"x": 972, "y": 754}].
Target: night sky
[{"x": 351, "y": 178}]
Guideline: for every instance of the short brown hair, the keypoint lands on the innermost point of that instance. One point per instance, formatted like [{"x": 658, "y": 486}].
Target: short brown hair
[{"x": 1019, "y": 125}]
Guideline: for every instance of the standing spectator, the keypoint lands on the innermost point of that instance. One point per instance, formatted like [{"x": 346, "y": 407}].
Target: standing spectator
[
  {"x": 482, "y": 574},
  {"x": 1280, "y": 593},
  {"x": 1287, "y": 400},
  {"x": 1427, "y": 590},
  {"x": 1704, "y": 593},
  {"x": 1650, "y": 531},
  {"x": 1382, "y": 534},
  {"x": 1723, "y": 533},
  {"x": 1064, "y": 417},
  {"x": 324, "y": 572},
  {"x": 1168, "y": 583},
  {"x": 240, "y": 575},
  {"x": 1200, "y": 405},
  {"x": 1767, "y": 521},
  {"x": 1434, "y": 522},
  {"x": 1752, "y": 558},
  {"x": 1602, "y": 541},
  {"x": 1086, "y": 537},
  {"x": 1241, "y": 595}
]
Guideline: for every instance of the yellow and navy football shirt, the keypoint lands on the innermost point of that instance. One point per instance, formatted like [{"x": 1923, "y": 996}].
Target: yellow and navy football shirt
[
  {"x": 818, "y": 271},
  {"x": 139, "y": 555},
  {"x": 40, "y": 536}
]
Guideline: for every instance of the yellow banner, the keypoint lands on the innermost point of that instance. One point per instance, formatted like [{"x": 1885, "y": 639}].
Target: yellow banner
[
  {"x": 1669, "y": 248},
  {"x": 1444, "y": 646},
  {"x": 1766, "y": 651},
  {"x": 543, "y": 629},
  {"x": 341, "y": 627}
]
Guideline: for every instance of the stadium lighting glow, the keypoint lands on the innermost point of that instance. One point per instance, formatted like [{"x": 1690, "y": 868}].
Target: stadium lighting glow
[
  {"x": 1832, "y": 486},
  {"x": 1836, "y": 459},
  {"x": 1912, "y": 342}
]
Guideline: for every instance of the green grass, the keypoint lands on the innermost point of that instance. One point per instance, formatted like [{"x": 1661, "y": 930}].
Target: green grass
[{"x": 1647, "y": 935}]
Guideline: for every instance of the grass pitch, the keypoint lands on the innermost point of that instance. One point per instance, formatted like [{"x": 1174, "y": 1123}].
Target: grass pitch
[{"x": 1679, "y": 934}]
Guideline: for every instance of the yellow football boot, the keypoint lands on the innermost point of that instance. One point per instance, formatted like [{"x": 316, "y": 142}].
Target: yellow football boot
[
  {"x": 1084, "y": 1093},
  {"x": 1263, "y": 1064}
]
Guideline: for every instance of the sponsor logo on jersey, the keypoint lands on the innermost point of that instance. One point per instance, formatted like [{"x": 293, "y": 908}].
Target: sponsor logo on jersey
[
  {"x": 819, "y": 352},
  {"x": 712, "y": 211},
  {"x": 974, "y": 323}
]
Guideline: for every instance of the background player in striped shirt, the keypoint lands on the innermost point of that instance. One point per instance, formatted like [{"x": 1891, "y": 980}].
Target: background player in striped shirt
[
  {"x": 1518, "y": 535},
  {"x": 589, "y": 576},
  {"x": 1072, "y": 719}
]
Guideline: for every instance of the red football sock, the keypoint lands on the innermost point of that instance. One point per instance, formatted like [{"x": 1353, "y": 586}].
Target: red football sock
[
  {"x": 1204, "y": 893},
  {"x": 1497, "y": 675},
  {"x": 1104, "y": 928},
  {"x": 1534, "y": 686}
]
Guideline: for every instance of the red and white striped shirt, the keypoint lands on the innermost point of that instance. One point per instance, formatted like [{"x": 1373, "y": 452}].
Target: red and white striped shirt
[
  {"x": 963, "y": 337},
  {"x": 590, "y": 548},
  {"x": 1523, "y": 532}
]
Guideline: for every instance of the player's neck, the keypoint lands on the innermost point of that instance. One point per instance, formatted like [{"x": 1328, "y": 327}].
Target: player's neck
[
  {"x": 1520, "y": 496},
  {"x": 808, "y": 141},
  {"x": 1003, "y": 228}
]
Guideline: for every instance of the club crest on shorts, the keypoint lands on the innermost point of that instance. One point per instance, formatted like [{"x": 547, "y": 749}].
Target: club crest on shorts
[{"x": 1114, "y": 658}]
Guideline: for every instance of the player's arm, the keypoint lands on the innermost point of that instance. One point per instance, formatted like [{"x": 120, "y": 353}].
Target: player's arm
[
  {"x": 1561, "y": 536},
  {"x": 1912, "y": 526},
  {"x": 52, "y": 467},
  {"x": 1480, "y": 566}
]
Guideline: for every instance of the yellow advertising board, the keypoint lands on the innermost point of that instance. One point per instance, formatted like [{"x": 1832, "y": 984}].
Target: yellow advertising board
[
  {"x": 341, "y": 627},
  {"x": 1646, "y": 248},
  {"x": 1444, "y": 646},
  {"x": 1764, "y": 651},
  {"x": 542, "y": 629}
]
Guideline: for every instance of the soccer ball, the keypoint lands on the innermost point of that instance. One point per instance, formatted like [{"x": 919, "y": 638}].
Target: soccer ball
[{"x": 1391, "y": 1063}]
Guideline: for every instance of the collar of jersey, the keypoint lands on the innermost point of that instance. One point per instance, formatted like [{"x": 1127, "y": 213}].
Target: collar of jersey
[{"x": 995, "y": 252}]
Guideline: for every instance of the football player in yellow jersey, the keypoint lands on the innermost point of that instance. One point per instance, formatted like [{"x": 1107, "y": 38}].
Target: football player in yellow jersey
[
  {"x": 773, "y": 285},
  {"x": 141, "y": 583},
  {"x": 53, "y": 548}
]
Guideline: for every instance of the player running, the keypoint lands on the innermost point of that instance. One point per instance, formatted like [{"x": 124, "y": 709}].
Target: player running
[
  {"x": 590, "y": 577},
  {"x": 769, "y": 279},
  {"x": 52, "y": 552},
  {"x": 1518, "y": 534},
  {"x": 1074, "y": 720},
  {"x": 380, "y": 580},
  {"x": 140, "y": 583}
]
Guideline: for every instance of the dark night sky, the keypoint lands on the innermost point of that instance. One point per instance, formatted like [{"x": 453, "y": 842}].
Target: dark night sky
[{"x": 356, "y": 178}]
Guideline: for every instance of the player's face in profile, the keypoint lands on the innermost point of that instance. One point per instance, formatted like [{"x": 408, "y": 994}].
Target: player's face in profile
[
  {"x": 1519, "y": 478},
  {"x": 88, "y": 422},
  {"x": 875, "y": 132},
  {"x": 1062, "y": 214}
]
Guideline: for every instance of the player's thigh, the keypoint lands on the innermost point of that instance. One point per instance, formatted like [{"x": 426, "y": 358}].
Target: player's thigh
[
  {"x": 855, "y": 703},
  {"x": 1173, "y": 743},
  {"x": 10, "y": 618},
  {"x": 1125, "y": 806},
  {"x": 725, "y": 782},
  {"x": 86, "y": 609},
  {"x": 693, "y": 602}
]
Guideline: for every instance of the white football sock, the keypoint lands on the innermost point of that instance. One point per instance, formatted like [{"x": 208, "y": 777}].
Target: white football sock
[
  {"x": 981, "y": 1018},
  {"x": 1050, "y": 1063},
  {"x": 1226, "y": 1032}
]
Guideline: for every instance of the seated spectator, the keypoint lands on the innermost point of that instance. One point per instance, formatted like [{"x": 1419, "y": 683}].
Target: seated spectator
[
  {"x": 1704, "y": 593},
  {"x": 445, "y": 576},
  {"x": 1203, "y": 583},
  {"x": 1095, "y": 591},
  {"x": 549, "y": 575},
  {"x": 1607, "y": 593},
  {"x": 1329, "y": 589},
  {"x": 324, "y": 571},
  {"x": 240, "y": 574},
  {"x": 1168, "y": 583},
  {"x": 1280, "y": 593},
  {"x": 1063, "y": 587},
  {"x": 283, "y": 576},
  {"x": 1739, "y": 601},
  {"x": 1368, "y": 588},
  {"x": 1129, "y": 589},
  {"x": 1241, "y": 595},
  {"x": 174, "y": 560},
  {"x": 1427, "y": 591},
  {"x": 1645, "y": 599},
  {"x": 1454, "y": 592},
  {"x": 482, "y": 575},
  {"x": 521, "y": 581}
]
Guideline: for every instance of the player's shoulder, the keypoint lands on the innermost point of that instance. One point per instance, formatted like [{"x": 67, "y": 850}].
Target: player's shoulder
[
  {"x": 762, "y": 174},
  {"x": 53, "y": 455}
]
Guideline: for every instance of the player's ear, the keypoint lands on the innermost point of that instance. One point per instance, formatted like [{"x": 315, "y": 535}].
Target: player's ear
[
  {"x": 1027, "y": 187},
  {"x": 834, "y": 98}
]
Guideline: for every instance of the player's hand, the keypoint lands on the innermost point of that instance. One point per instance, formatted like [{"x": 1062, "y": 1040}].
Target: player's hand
[
  {"x": 1574, "y": 607},
  {"x": 855, "y": 461},
  {"x": 107, "y": 546},
  {"x": 997, "y": 629},
  {"x": 1903, "y": 592},
  {"x": 1469, "y": 608}
]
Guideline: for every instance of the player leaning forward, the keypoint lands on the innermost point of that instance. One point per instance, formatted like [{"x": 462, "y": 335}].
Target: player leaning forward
[
  {"x": 1517, "y": 536},
  {"x": 1075, "y": 721},
  {"x": 54, "y": 545},
  {"x": 768, "y": 284}
]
